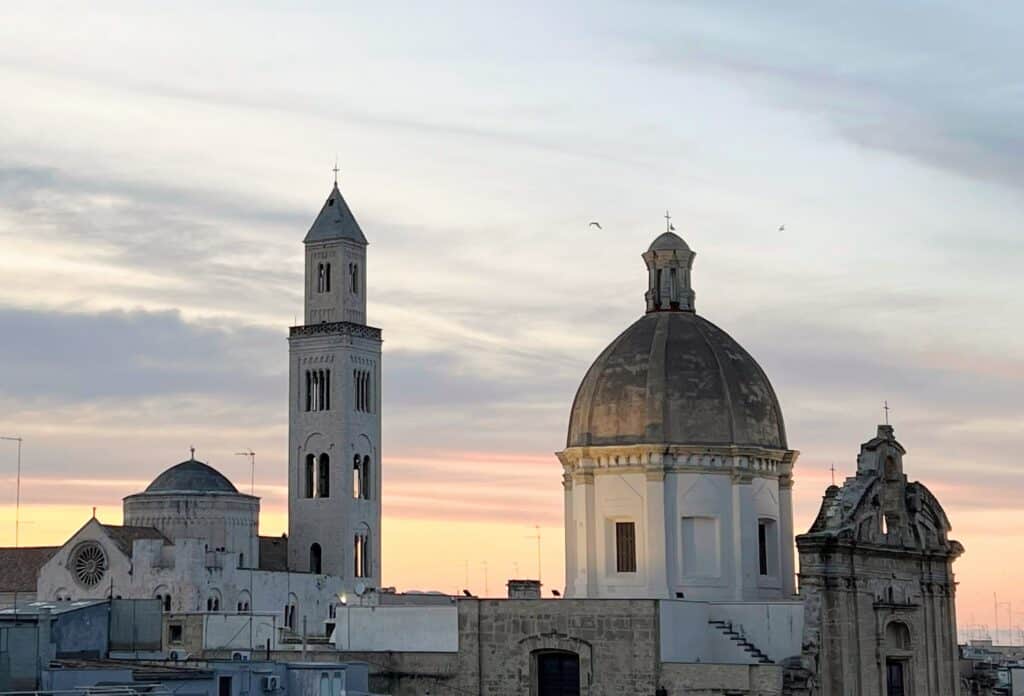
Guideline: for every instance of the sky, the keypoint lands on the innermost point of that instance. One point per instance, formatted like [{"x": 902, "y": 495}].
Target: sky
[{"x": 159, "y": 166}]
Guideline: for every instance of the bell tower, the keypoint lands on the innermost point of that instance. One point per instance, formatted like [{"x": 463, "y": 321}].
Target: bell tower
[{"x": 334, "y": 453}]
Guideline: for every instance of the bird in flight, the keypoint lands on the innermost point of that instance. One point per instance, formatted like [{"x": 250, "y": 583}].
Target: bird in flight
[
  {"x": 597, "y": 225},
  {"x": 782, "y": 228}
]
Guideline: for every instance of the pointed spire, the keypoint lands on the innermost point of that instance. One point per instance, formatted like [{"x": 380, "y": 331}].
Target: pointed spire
[{"x": 335, "y": 220}]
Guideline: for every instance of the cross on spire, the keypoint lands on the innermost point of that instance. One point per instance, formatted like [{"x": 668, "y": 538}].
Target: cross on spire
[
  {"x": 668, "y": 222},
  {"x": 335, "y": 170},
  {"x": 885, "y": 409},
  {"x": 833, "y": 468}
]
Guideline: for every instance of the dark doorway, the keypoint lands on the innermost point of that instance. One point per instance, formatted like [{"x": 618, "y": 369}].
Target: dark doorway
[
  {"x": 895, "y": 679},
  {"x": 558, "y": 674},
  {"x": 224, "y": 686}
]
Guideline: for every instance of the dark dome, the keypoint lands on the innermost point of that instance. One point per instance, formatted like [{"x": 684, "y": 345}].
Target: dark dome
[
  {"x": 192, "y": 476},
  {"x": 674, "y": 377},
  {"x": 668, "y": 241}
]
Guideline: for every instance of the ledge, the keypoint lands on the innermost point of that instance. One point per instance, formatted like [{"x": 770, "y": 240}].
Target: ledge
[{"x": 335, "y": 328}]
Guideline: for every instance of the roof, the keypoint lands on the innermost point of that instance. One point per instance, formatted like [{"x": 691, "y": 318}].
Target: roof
[
  {"x": 31, "y": 609},
  {"x": 335, "y": 221},
  {"x": 668, "y": 241},
  {"x": 273, "y": 553},
  {"x": 125, "y": 536},
  {"x": 19, "y": 568},
  {"x": 192, "y": 476},
  {"x": 676, "y": 378}
]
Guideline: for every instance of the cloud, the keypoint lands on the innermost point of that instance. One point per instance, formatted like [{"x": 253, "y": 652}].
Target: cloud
[
  {"x": 949, "y": 98},
  {"x": 52, "y": 356}
]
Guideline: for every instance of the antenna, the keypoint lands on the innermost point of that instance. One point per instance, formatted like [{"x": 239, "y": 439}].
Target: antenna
[
  {"x": 537, "y": 537},
  {"x": 252, "y": 469}
]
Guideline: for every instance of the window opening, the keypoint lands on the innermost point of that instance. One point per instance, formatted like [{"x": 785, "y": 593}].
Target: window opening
[
  {"x": 315, "y": 559},
  {"x": 625, "y": 547},
  {"x": 310, "y": 470},
  {"x": 323, "y": 481}
]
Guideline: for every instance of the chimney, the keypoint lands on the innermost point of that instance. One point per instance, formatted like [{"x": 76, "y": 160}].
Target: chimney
[{"x": 524, "y": 589}]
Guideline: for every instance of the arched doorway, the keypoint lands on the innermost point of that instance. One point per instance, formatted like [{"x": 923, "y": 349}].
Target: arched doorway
[{"x": 558, "y": 673}]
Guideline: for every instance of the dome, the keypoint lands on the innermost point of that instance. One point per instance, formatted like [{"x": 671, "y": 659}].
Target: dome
[
  {"x": 668, "y": 241},
  {"x": 674, "y": 377},
  {"x": 192, "y": 476}
]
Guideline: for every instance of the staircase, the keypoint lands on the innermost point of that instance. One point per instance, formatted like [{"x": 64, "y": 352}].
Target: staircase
[{"x": 727, "y": 629}]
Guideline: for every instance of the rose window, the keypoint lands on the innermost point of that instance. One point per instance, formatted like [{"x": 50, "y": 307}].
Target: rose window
[{"x": 88, "y": 564}]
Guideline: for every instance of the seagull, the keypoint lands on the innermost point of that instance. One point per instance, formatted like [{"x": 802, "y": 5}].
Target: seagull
[
  {"x": 597, "y": 225},
  {"x": 556, "y": 593},
  {"x": 782, "y": 228},
  {"x": 467, "y": 593}
]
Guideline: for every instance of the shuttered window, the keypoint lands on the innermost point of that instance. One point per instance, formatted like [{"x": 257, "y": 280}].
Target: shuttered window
[{"x": 625, "y": 547}]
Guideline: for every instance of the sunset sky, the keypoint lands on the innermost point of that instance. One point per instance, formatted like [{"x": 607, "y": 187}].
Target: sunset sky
[{"x": 159, "y": 168}]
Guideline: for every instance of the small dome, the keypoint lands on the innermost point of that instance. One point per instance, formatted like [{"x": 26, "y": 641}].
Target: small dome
[
  {"x": 674, "y": 377},
  {"x": 192, "y": 476},
  {"x": 668, "y": 241}
]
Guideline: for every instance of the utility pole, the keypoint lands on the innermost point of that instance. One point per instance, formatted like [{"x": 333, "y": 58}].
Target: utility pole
[{"x": 17, "y": 491}]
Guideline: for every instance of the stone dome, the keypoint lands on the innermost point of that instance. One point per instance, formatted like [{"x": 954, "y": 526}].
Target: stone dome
[
  {"x": 668, "y": 241},
  {"x": 674, "y": 377},
  {"x": 191, "y": 476}
]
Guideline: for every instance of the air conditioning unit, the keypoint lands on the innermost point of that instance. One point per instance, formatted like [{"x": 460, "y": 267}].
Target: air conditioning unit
[
  {"x": 239, "y": 656},
  {"x": 271, "y": 683}
]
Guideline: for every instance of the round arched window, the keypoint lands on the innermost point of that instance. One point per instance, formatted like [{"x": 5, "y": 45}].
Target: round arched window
[{"x": 88, "y": 564}]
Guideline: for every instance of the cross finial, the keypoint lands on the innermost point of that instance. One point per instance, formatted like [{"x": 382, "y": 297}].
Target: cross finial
[
  {"x": 668, "y": 222},
  {"x": 192, "y": 452},
  {"x": 885, "y": 408},
  {"x": 833, "y": 468},
  {"x": 335, "y": 170}
]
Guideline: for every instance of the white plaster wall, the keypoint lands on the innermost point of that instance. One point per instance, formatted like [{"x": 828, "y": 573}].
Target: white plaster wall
[
  {"x": 620, "y": 498},
  {"x": 657, "y": 508},
  {"x": 694, "y": 494},
  {"x": 399, "y": 629},
  {"x": 231, "y": 631},
  {"x": 775, "y": 628}
]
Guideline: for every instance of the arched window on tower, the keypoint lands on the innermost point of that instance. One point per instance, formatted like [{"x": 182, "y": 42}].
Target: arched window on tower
[
  {"x": 323, "y": 477},
  {"x": 361, "y": 552},
  {"x": 327, "y": 278},
  {"x": 321, "y": 277},
  {"x": 309, "y": 391},
  {"x": 315, "y": 559},
  {"x": 310, "y": 475},
  {"x": 357, "y": 476},
  {"x": 353, "y": 271},
  {"x": 364, "y": 478}
]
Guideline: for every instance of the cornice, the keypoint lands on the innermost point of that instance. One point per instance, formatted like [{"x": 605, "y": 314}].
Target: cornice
[{"x": 655, "y": 460}]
